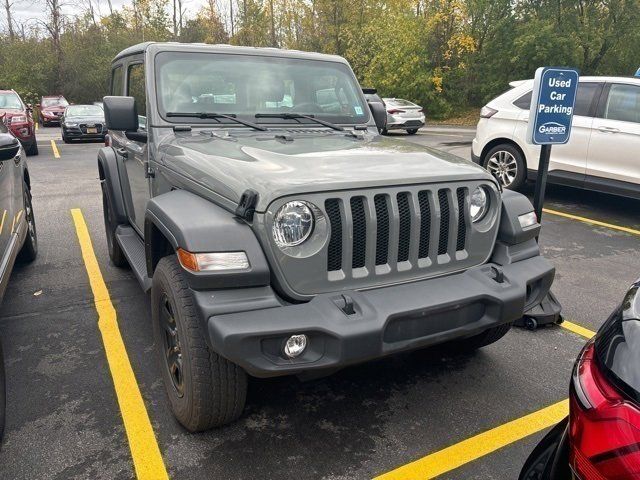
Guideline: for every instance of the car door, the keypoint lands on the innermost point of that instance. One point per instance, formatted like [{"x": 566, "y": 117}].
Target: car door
[
  {"x": 135, "y": 152},
  {"x": 6, "y": 200},
  {"x": 615, "y": 141}
]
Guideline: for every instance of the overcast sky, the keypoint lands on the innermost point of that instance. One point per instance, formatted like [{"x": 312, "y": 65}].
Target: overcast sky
[{"x": 32, "y": 10}]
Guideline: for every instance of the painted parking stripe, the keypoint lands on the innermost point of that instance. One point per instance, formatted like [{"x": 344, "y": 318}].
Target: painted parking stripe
[
  {"x": 147, "y": 460},
  {"x": 56, "y": 153},
  {"x": 480, "y": 445},
  {"x": 592, "y": 222},
  {"x": 580, "y": 330}
]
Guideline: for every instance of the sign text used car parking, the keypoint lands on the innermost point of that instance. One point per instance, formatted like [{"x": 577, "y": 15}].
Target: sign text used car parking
[{"x": 552, "y": 103}]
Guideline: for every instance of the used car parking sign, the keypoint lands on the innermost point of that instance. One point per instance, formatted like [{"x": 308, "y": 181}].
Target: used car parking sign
[{"x": 552, "y": 103}]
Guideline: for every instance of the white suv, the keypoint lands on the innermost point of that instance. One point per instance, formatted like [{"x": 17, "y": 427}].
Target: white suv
[{"x": 602, "y": 154}]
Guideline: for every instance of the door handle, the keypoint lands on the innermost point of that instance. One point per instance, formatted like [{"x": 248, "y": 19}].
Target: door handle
[
  {"x": 122, "y": 152},
  {"x": 609, "y": 130}
]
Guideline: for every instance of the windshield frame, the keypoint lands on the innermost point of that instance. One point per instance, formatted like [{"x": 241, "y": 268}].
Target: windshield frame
[{"x": 343, "y": 66}]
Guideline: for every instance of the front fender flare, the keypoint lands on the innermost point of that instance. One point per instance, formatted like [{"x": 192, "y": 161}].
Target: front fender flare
[
  {"x": 111, "y": 187},
  {"x": 197, "y": 225}
]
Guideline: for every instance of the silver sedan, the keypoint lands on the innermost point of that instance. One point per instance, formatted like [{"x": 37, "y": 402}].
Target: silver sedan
[{"x": 404, "y": 115}]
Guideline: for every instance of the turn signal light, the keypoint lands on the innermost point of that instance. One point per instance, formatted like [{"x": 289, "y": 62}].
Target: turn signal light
[{"x": 208, "y": 262}]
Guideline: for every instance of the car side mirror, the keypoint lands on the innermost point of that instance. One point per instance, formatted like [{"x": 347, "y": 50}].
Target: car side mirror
[
  {"x": 379, "y": 113},
  {"x": 9, "y": 146},
  {"x": 121, "y": 113}
]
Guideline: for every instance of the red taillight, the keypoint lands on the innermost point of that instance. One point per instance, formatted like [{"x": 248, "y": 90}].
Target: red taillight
[
  {"x": 393, "y": 111},
  {"x": 604, "y": 427}
]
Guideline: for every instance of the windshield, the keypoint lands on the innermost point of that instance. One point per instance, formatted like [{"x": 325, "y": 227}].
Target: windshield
[
  {"x": 10, "y": 100},
  {"x": 246, "y": 85},
  {"x": 54, "y": 102},
  {"x": 84, "y": 111}
]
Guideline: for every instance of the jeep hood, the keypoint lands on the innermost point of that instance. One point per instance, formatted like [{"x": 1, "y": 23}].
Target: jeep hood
[{"x": 313, "y": 162}]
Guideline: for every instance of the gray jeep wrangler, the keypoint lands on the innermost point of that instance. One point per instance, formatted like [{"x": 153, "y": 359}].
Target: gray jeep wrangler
[{"x": 279, "y": 233}]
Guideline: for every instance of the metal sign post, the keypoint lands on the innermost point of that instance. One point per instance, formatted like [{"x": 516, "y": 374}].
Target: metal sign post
[{"x": 550, "y": 118}]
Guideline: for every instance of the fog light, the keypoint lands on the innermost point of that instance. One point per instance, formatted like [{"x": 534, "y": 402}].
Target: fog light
[
  {"x": 295, "y": 345},
  {"x": 528, "y": 219}
]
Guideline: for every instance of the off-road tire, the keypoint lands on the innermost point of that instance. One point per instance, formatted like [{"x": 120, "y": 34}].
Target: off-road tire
[
  {"x": 29, "y": 250},
  {"x": 412, "y": 131},
  {"x": 521, "y": 174},
  {"x": 483, "y": 339},
  {"x": 214, "y": 389},
  {"x": 115, "y": 251},
  {"x": 32, "y": 149}
]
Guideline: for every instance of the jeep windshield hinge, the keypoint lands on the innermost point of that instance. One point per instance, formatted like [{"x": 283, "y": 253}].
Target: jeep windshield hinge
[{"x": 247, "y": 205}]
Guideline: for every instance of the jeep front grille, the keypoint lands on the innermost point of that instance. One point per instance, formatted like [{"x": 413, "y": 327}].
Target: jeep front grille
[
  {"x": 413, "y": 227},
  {"x": 378, "y": 236}
]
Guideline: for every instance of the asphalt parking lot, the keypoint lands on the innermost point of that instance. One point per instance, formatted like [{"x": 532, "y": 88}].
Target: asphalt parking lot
[{"x": 64, "y": 420}]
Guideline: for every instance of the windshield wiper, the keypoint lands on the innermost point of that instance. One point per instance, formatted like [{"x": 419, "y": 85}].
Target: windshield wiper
[
  {"x": 217, "y": 116},
  {"x": 297, "y": 116}
]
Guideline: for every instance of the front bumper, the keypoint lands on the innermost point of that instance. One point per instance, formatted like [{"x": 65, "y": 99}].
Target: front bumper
[
  {"x": 385, "y": 320},
  {"x": 76, "y": 132}
]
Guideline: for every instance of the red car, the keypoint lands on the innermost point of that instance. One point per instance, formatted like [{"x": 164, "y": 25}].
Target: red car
[
  {"x": 51, "y": 109},
  {"x": 18, "y": 118}
]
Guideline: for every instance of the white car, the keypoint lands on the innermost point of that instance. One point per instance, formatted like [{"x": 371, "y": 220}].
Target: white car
[
  {"x": 602, "y": 153},
  {"x": 403, "y": 115}
]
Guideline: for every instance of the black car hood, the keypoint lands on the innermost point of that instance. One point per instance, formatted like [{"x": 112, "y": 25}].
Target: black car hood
[{"x": 618, "y": 343}]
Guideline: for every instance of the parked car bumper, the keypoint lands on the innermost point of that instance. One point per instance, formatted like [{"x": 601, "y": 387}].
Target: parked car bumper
[
  {"x": 476, "y": 151},
  {"x": 400, "y": 123},
  {"x": 78, "y": 133},
  {"x": 25, "y": 133},
  {"x": 385, "y": 320}
]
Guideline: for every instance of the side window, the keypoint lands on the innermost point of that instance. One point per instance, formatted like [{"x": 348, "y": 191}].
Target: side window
[
  {"x": 135, "y": 89},
  {"x": 524, "y": 102},
  {"x": 623, "y": 103},
  {"x": 585, "y": 98},
  {"x": 117, "y": 80}
]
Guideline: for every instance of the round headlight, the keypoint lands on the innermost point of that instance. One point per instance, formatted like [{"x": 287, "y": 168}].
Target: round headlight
[
  {"x": 479, "y": 204},
  {"x": 292, "y": 224}
]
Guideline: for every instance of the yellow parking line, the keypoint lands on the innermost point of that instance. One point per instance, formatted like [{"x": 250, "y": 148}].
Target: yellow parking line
[
  {"x": 36, "y": 126},
  {"x": 592, "y": 222},
  {"x": 480, "y": 445},
  {"x": 580, "y": 330},
  {"x": 56, "y": 153},
  {"x": 145, "y": 452},
  {"x": 4, "y": 216}
]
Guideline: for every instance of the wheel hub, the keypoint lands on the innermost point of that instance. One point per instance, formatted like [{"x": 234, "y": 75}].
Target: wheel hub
[
  {"x": 172, "y": 347},
  {"x": 503, "y": 166}
]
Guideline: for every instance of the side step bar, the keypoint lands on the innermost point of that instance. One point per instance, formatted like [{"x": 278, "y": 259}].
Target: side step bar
[{"x": 133, "y": 248}]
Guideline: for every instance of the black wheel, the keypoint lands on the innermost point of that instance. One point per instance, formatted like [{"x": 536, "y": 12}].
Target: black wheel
[
  {"x": 506, "y": 163},
  {"x": 29, "y": 250},
  {"x": 204, "y": 389},
  {"x": 65, "y": 139},
  {"x": 483, "y": 339},
  {"x": 32, "y": 149},
  {"x": 530, "y": 323},
  {"x": 110, "y": 224},
  {"x": 412, "y": 131}
]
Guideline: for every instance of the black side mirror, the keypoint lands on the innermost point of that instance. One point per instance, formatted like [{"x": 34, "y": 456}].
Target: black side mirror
[
  {"x": 9, "y": 146},
  {"x": 120, "y": 113},
  {"x": 379, "y": 113}
]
